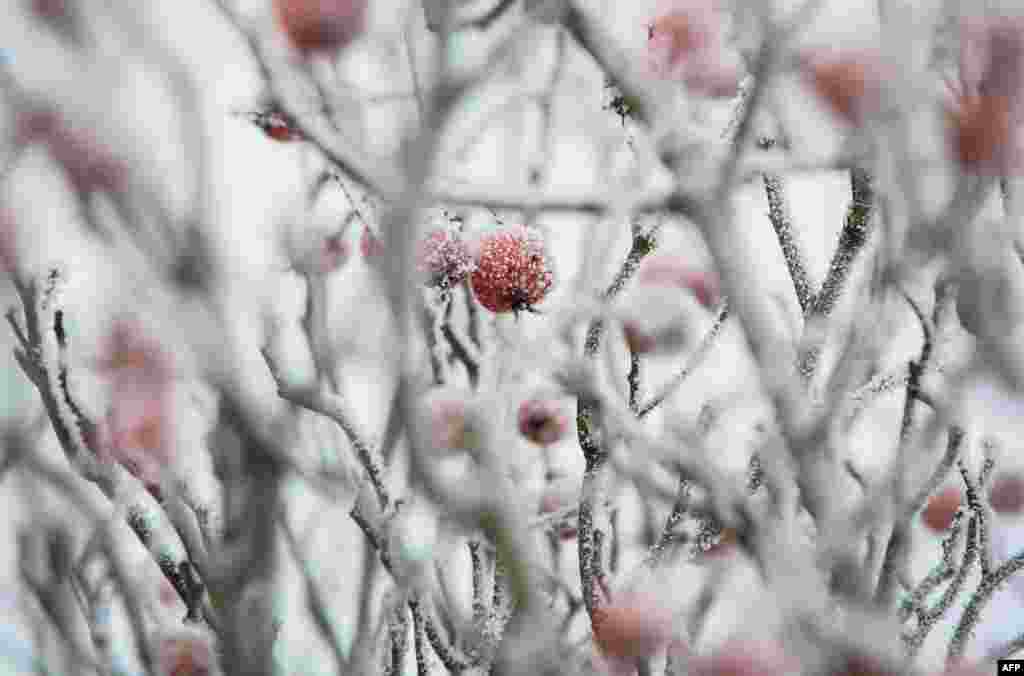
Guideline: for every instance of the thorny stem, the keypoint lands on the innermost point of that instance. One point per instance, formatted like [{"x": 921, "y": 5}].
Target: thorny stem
[
  {"x": 589, "y": 434},
  {"x": 782, "y": 222},
  {"x": 988, "y": 586},
  {"x": 897, "y": 549},
  {"x": 852, "y": 239}
]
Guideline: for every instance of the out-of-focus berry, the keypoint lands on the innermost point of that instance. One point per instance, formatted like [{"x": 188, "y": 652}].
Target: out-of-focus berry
[
  {"x": 746, "y": 658},
  {"x": 542, "y": 421},
  {"x": 1007, "y": 493},
  {"x": 90, "y": 165},
  {"x": 370, "y": 244},
  {"x": 849, "y": 83},
  {"x": 446, "y": 412},
  {"x": 137, "y": 431},
  {"x": 986, "y": 115},
  {"x": 941, "y": 508},
  {"x": 686, "y": 43},
  {"x": 187, "y": 654},
  {"x": 672, "y": 270},
  {"x": 656, "y": 319},
  {"x": 513, "y": 270},
  {"x": 321, "y": 25},
  {"x": 632, "y": 626}
]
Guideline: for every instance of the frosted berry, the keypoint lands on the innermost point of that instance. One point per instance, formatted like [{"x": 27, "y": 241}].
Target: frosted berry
[
  {"x": 321, "y": 25},
  {"x": 941, "y": 509},
  {"x": 370, "y": 244},
  {"x": 1007, "y": 494},
  {"x": 542, "y": 422},
  {"x": 514, "y": 272},
  {"x": 443, "y": 258}
]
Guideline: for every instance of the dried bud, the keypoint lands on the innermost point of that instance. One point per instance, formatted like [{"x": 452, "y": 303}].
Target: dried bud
[
  {"x": 941, "y": 509},
  {"x": 542, "y": 421}
]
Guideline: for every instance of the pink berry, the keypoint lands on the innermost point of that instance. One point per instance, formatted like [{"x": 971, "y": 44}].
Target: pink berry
[
  {"x": 370, "y": 244},
  {"x": 542, "y": 422},
  {"x": 1007, "y": 494},
  {"x": 514, "y": 271},
  {"x": 444, "y": 258},
  {"x": 686, "y": 42},
  {"x": 328, "y": 255},
  {"x": 90, "y": 165},
  {"x": 321, "y": 25}
]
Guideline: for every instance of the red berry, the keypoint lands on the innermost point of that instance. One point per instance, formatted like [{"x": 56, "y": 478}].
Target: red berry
[
  {"x": 514, "y": 271},
  {"x": 278, "y": 127},
  {"x": 321, "y": 25},
  {"x": 1007, "y": 494},
  {"x": 941, "y": 509},
  {"x": 542, "y": 422},
  {"x": 444, "y": 258}
]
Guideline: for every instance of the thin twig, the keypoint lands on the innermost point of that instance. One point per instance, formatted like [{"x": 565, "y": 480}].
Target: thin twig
[{"x": 692, "y": 363}]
